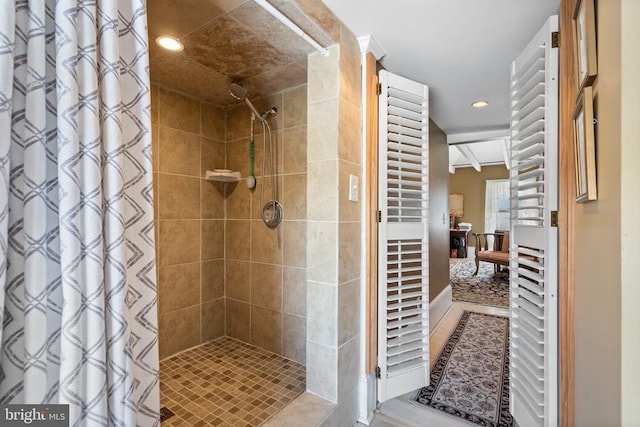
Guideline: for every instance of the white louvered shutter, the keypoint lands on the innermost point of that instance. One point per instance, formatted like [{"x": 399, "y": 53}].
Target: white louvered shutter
[
  {"x": 534, "y": 241},
  {"x": 403, "y": 269}
]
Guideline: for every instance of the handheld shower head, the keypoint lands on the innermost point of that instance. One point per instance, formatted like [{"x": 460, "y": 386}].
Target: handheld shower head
[{"x": 240, "y": 93}]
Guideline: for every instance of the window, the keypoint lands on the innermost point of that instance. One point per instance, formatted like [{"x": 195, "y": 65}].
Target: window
[{"x": 496, "y": 205}]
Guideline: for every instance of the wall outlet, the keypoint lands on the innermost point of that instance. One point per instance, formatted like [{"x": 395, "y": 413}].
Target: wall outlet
[{"x": 353, "y": 188}]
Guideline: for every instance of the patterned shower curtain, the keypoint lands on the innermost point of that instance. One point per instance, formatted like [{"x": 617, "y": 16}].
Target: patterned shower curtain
[{"x": 78, "y": 321}]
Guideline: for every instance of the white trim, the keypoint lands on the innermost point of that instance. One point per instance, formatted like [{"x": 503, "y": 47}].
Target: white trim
[
  {"x": 439, "y": 307},
  {"x": 368, "y": 44}
]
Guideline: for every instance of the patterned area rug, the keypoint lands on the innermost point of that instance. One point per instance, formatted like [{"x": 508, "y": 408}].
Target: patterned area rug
[
  {"x": 486, "y": 288},
  {"x": 470, "y": 379}
]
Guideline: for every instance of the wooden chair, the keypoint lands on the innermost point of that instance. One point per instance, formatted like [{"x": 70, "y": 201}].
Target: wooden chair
[{"x": 498, "y": 253}]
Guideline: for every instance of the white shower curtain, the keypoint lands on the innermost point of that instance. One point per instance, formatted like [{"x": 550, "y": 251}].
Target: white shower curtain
[{"x": 78, "y": 321}]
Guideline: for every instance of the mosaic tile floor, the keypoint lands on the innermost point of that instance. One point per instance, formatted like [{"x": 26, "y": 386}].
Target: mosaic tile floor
[{"x": 227, "y": 383}]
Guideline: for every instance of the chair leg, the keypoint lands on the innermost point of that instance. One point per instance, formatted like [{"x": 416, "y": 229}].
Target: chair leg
[{"x": 477, "y": 266}]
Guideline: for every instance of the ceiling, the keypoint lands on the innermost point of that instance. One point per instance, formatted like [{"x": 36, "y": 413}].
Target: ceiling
[
  {"x": 462, "y": 49},
  {"x": 229, "y": 41},
  {"x": 478, "y": 154}
]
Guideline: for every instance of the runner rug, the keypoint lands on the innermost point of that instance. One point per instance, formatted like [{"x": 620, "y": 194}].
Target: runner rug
[
  {"x": 487, "y": 288},
  {"x": 470, "y": 379}
]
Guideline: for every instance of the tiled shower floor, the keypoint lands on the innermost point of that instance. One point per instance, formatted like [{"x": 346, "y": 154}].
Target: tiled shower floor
[{"x": 227, "y": 383}]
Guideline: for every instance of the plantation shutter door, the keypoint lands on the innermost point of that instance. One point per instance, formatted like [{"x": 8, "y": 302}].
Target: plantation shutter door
[
  {"x": 534, "y": 242},
  {"x": 403, "y": 269}
]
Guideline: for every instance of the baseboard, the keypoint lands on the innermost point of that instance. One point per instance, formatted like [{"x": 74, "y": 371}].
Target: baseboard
[{"x": 439, "y": 307}]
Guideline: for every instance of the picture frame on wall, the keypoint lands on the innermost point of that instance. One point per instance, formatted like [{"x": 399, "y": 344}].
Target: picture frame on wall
[
  {"x": 584, "y": 46},
  {"x": 584, "y": 147}
]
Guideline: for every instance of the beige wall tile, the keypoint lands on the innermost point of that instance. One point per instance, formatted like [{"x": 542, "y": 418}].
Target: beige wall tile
[
  {"x": 294, "y": 296},
  {"x": 348, "y": 367},
  {"x": 322, "y": 130},
  {"x": 322, "y": 366},
  {"x": 266, "y": 243},
  {"x": 295, "y": 107},
  {"x": 294, "y": 196},
  {"x": 178, "y": 112},
  {"x": 294, "y": 150},
  {"x": 179, "y": 242},
  {"x": 295, "y": 243},
  {"x": 266, "y": 285},
  {"x": 322, "y": 316},
  {"x": 156, "y": 197},
  {"x": 350, "y": 68},
  {"x": 322, "y": 182},
  {"x": 212, "y": 243},
  {"x": 212, "y": 155},
  {"x": 154, "y": 104},
  {"x": 155, "y": 148},
  {"x": 238, "y": 157},
  {"x": 213, "y": 319},
  {"x": 239, "y": 122},
  {"x": 350, "y": 136},
  {"x": 238, "y": 316},
  {"x": 211, "y": 200},
  {"x": 350, "y": 250},
  {"x": 212, "y": 283},
  {"x": 180, "y": 197},
  {"x": 179, "y": 152},
  {"x": 238, "y": 201},
  {"x": 238, "y": 280},
  {"x": 266, "y": 329},
  {"x": 179, "y": 330},
  {"x": 348, "y": 311},
  {"x": 349, "y": 211},
  {"x": 212, "y": 121},
  {"x": 294, "y": 338},
  {"x": 322, "y": 251},
  {"x": 323, "y": 76},
  {"x": 238, "y": 239},
  {"x": 178, "y": 287}
]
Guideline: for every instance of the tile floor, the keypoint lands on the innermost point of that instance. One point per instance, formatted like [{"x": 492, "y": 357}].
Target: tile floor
[{"x": 227, "y": 383}]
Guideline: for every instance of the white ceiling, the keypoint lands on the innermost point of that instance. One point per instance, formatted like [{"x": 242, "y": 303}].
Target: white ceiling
[{"x": 462, "y": 49}]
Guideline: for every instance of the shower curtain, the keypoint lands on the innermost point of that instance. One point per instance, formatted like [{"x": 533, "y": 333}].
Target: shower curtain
[{"x": 78, "y": 321}]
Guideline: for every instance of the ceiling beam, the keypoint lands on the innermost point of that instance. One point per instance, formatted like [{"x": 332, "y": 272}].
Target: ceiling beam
[
  {"x": 452, "y": 169},
  {"x": 505, "y": 154},
  {"x": 466, "y": 151},
  {"x": 457, "y": 138}
]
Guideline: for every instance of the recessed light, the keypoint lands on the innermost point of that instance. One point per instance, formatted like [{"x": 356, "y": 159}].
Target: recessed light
[
  {"x": 480, "y": 104},
  {"x": 170, "y": 43}
]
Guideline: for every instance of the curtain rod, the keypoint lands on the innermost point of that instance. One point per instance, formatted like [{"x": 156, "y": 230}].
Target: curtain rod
[{"x": 292, "y": 26}]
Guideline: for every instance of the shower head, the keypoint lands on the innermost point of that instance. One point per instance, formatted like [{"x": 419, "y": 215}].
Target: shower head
[{"x": 237, "y": 91}]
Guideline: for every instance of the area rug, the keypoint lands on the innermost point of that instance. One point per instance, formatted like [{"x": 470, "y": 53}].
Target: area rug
[
  {"x": 470, "y": 379},
  {"x": 487, "y": 288}
]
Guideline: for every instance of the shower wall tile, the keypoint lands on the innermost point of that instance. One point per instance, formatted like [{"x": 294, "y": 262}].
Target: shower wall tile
[
  {"x": 322, "y": 182},
  {"x": 212, "y": 122},
  {"x": 295, "y": 243},
  {"x": 266, "y": 328},
  {"x": 350, "y": 140},
  {"x": 322, "y": 130},
  {"x": 349, "y": 234},
  {"x": 213, "y": 319},
  {"x": 238, "y": 157},
  {"x": 295, "y": 107},
  {"x": 294, "y": 150},
  {"x": 212, "y": 284},
  {"x": 212, "y": 242},
  {"x": 156, "y": 199},
  {"x": 212, "y": 155},
  {"x": 322, "y": 366},
  {"x": 294, "y": 293},
  {"x": 238, "y": 280},
  {"x": 154, "y": 104},
  {"x": 238, "y": 239},
  {"x": 179, "y": 330},
  {"x": 155, "y": 148},
  {"x": 178, "y": 111},
  {"x": 294, "y": 196},
  {"x": 180, "y": 197},
  {"x": 350, "y": 68},
  {"x": 266, "y": 243},
  {"x": 179, "y": 241},
  {"x": 322, "y": 316},
  {"x": 322, "y": 251},
  {"x": 238, "y": 318},
  {"x": 179, "y": 152},
  {"x": 348, "y": 312},
  {"x": 348, "y": 367},
  {"x": 238, "y": 123},
  {"x": 238, "y": 201},
  {"x": 294, "y": 338},
  {"x": 266, "y": 285},
  {"x": 323, "y": 76},
  {"x": 178, "y": 287},
  {"x": 211, "y": 200}
]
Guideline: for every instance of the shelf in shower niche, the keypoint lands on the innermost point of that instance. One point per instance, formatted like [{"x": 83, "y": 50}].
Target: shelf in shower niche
[{"x": 222, "y": 175}]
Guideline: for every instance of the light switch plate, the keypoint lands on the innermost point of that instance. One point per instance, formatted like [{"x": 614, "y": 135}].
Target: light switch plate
[{"x": 353, "y": 188}]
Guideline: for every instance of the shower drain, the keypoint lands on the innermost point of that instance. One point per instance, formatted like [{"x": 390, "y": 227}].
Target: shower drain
[{"x": 165, "y": 414}]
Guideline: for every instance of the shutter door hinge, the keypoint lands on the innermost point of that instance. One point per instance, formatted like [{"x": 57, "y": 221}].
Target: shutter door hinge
[
  {"x": 379, "y": 89},
  {"x": 378, "y": 372},
  {"x": 379, "y": 216},
  {"x": 555, "y": 39},
  {"x": 554, "y": 218}
]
